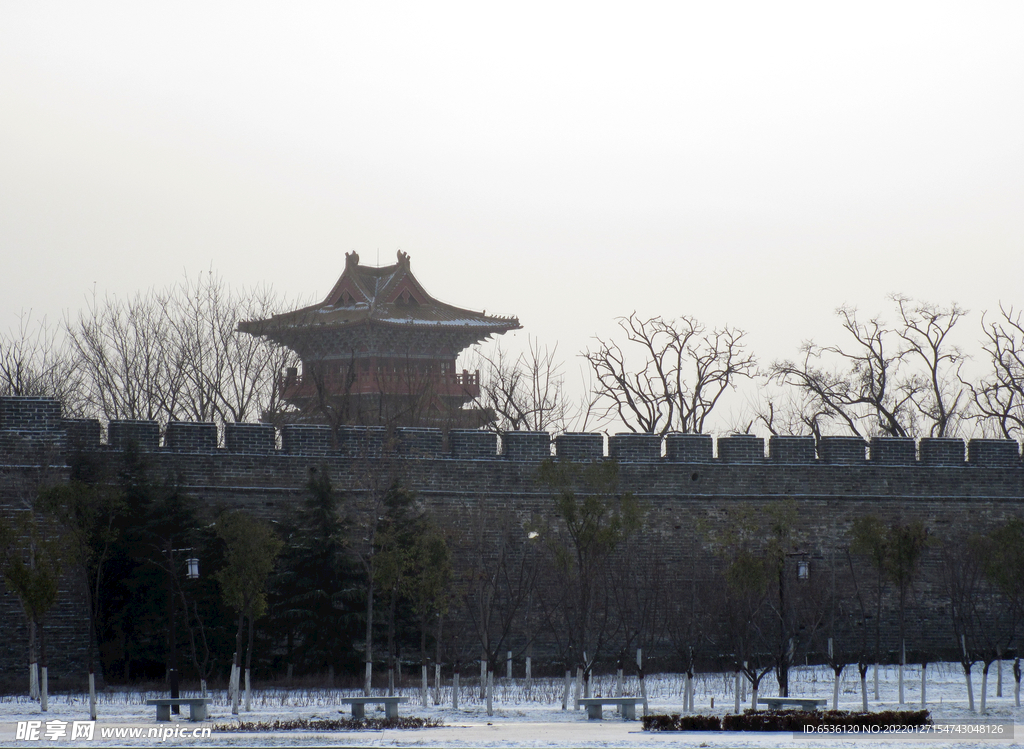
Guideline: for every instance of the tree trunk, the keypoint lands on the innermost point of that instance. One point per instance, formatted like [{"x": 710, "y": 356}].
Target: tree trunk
[
  {"x": 565, "y": 692},
  {"x": 89, "y": 651},
  {"x": 490, "y": 692},
  {"x": 970, "y": 686},
  {"x": 455, "y": 690},
  {"x": 237, "y": 662},
  {"x": 903, "y": 662},
  {"x": 837, "y": 672},
  {"x": 863, "y": 668},
  {"x": 367, "y": 681},
  {"x": 33, "y": 662},
  {"x": 391, "y": 643},
  {"x": 984, "y": 684},
  {"x": 736, "y": 693},
  {"x": 483, "y": 676},
  {"x": 424, "y": 688},
  {"x": 876, "y": 682},
  {"x": 43, "y": 681},
  {"x": 924, "y": 684},
  {"x": 999, "y": 672},
  {"x": 579, "y": 687},
  {"x": 248, "y": 665},
  {"x": 529, "y": 673}
]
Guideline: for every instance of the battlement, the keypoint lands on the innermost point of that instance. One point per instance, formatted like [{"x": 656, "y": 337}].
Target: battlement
[{"x": 38, "y": 420}]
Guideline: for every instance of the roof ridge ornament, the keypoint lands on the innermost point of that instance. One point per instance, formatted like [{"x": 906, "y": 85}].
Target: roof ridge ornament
[
  {"x": 351, "y": 259},
  {"x": 403, "y": 259}
]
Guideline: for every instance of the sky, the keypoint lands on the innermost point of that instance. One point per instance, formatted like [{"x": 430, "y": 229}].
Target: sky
[{"x": 747, "y": 163}]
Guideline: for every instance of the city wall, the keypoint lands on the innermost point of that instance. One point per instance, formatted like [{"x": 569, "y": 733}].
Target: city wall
[{"x": 691, "y": 485}]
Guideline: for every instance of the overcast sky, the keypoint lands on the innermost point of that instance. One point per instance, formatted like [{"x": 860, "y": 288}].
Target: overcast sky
[{"x": 756, "y": 164}]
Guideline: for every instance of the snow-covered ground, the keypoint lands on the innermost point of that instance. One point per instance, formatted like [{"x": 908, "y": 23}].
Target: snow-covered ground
[{"x": 529, "y": 718}]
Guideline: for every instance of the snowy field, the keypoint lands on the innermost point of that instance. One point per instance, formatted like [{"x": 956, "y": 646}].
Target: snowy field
[{"x": 529, "y": 718}]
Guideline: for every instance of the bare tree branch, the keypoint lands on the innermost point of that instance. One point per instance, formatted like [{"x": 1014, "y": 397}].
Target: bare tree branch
[{"x": 684, "y": 372}]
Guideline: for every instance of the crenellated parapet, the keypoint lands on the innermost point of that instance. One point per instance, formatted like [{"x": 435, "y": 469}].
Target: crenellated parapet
[{"x": 37, "y": 421}]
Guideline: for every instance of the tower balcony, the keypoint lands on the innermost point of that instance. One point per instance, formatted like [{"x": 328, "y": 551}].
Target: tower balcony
[{"x": 463, "y": 386}]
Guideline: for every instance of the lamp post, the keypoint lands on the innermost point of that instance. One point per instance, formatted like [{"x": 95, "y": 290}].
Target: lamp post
[{"x": 192, "y": 573}]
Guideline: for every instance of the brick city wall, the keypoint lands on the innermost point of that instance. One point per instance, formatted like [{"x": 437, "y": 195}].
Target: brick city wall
[{"x": 691, "y": 485}]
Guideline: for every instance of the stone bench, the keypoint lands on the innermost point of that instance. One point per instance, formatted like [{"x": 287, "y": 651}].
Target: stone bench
[
  {"x": 628, "y": 705},
  {"x": 196, "y": 706},
  {"x": 359, "y": 705},
  {"x": 803, "y": 703}
]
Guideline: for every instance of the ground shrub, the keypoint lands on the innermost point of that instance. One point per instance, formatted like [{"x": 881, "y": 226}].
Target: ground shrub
[
  {"x": 676, "y": 722},
  {"x": 341, "y": 724}
]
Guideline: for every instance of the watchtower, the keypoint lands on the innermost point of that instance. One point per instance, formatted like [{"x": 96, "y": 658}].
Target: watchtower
[{"x": 380, "y": 350}]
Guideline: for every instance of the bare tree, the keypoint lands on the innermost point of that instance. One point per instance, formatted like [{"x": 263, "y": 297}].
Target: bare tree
[
  {"x": 35, "y": 361},
  {"x": 500, "y": 566},
  {"x": 900, "y": 381},
  {"x": 174, "y": 354},
  {"x": 684, "y": 371},
  {"x": 591, "y": 519},
  {"x": 999, "y": 397},
  {"x": 525, "y": 392}
]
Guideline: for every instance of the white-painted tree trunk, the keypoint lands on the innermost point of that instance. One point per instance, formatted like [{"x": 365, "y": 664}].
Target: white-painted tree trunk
[
  {"x": 999, "y": 675},
  {"x": 753, "y": 696},
  {"x": 368, "y": 678},
  {"x": 33, "y": 680},
  {"x": 579, "y": 687},
  {"x": 43, "y": 687},
  {"x": 863, "y": 693},
  {"x": 876, "y": 682},
  {"x": 643, "y": 693},
  {"x": 92, "y": 696},
  {"x": 618, "y": 691},
  {"x": 235, "y": 691},
  {"x": 508, "y": 665},
  {"x": 248, "y": 691},
  {"x": 835, "y": 690},
  {"x": 437, "y": 683},
  {"x": 688, "y": 694},
  {"x": 455, "y": 692},
  {"x": 984, "y": 687},
  {"x": 483, "y": 678},
  {"x": 924, "y": 685},
  {"x": 423, "y": 685},
  {"x": 565, "y": 694},
  {"x": 529, "y": 672},
  {"x": 490, "y": 693}
]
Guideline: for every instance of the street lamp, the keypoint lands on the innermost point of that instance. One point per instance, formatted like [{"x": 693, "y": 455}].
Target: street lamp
[{"x": 192, "y": 573}]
